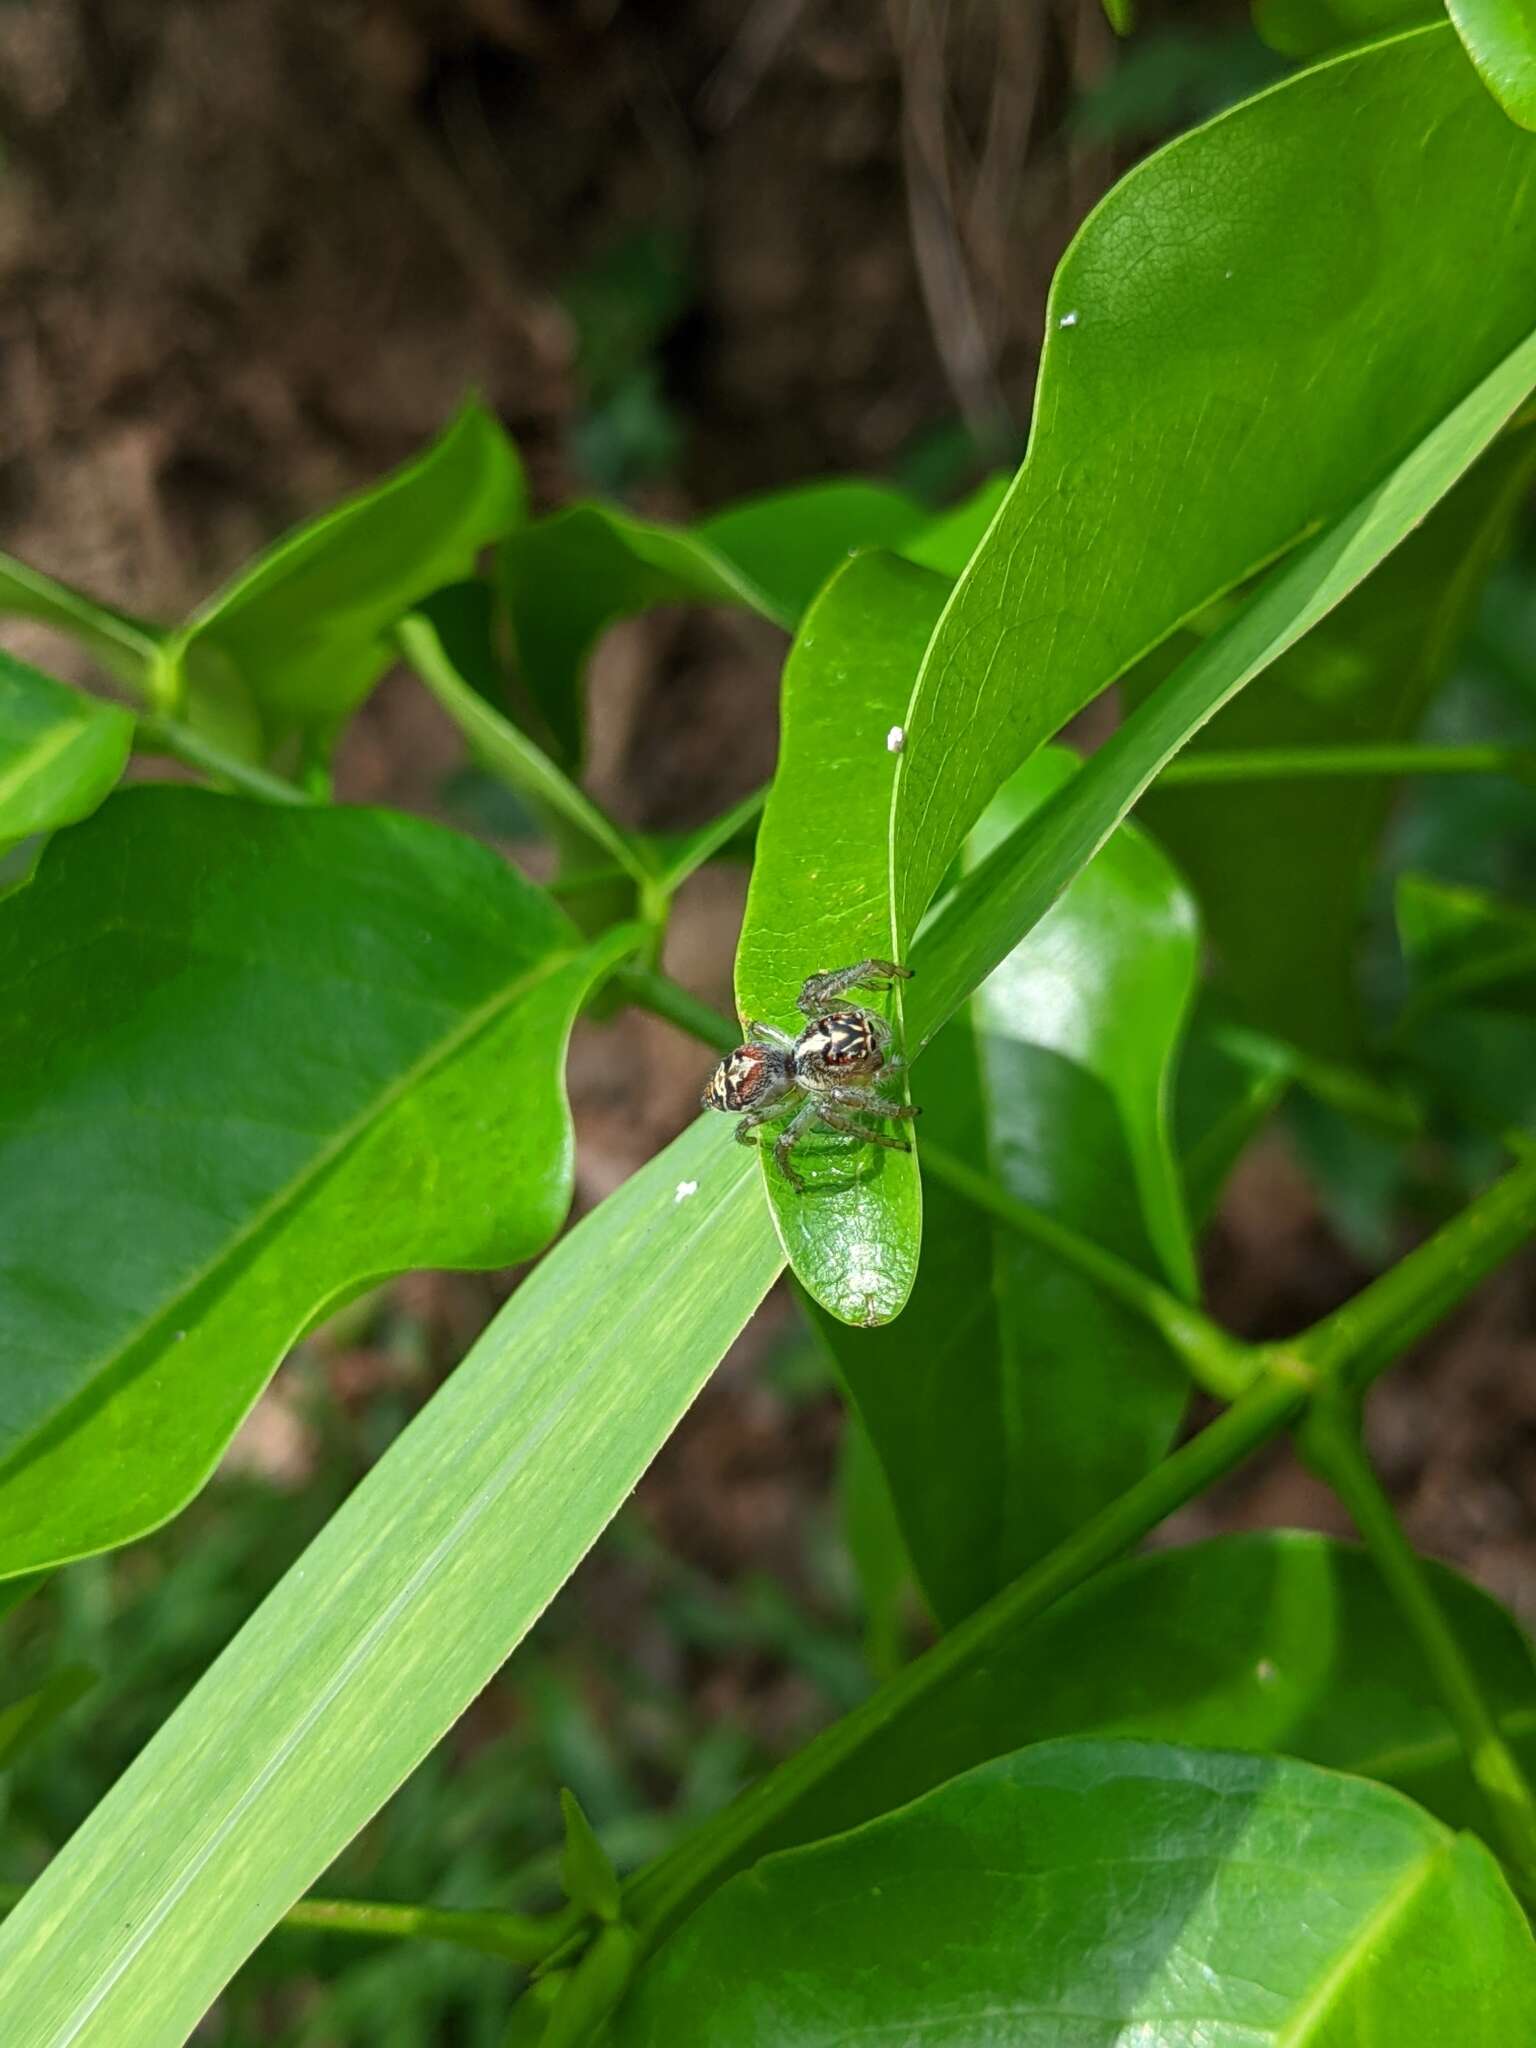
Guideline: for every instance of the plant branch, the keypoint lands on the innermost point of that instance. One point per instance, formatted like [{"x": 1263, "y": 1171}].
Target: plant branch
[
  {"x": 1288, "y": 764},
  {"x": 515, "y": 1937},
  {"x": 1343, "y": 1351},
  {"x": 1219, "y": 1363},
  {"x": 154, "y": 733},
  {"x": 658, "y": 1897},
  {"x": 1331, "y": 1441},
  {"x": 1361, "y": 1339}
]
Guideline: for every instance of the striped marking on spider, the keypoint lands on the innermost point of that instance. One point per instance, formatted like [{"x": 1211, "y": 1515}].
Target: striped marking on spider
[{"x": 829, "y": 1075}]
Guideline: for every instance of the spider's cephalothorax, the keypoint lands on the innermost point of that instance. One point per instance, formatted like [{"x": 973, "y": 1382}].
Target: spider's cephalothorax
[{"x": 830, "y": 1069}]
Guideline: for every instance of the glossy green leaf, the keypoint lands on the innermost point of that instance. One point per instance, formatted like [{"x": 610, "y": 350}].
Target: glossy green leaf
[
  {"x": 124, "y": 645},
  {"x": 1280, "y": 867},
  {"x": 979, "y": 925},
  {"x": 949, "y": 540},
  {"x": 1098, "y": 1892},
  {"x": 304, "y": 628},
  {"x": 397, "y": 1614},
  {"x": 567, "y": 578},
  {"x": 1144, "y": 496},
  {"x": 250, "y": 1059},
  {"x": 1012, "y": 1399},
  {"x": 1500, "y": 36},
  {"x": 1465, "y": 947},
  {"x": 818, "y": 901},
  {"x": 60, "y": 751},
  {"x": 1278, "y": 1641},
  {"x": 1308, "y": 28}
]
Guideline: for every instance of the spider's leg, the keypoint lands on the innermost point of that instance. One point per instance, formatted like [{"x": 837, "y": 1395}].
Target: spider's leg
[
  {"x": 835, "y": 1121},
  {"x": 769, "y": 1034},
  {"x": 823, "y": 989},
  {"x": 753, "y": 1118},
  {"x": 790, "y": 1136},
  {"x": 850, "y": 1096}
]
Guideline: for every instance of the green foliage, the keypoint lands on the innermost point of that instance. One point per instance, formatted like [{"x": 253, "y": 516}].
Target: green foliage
[
  {"x": 260, "y": 1053},
  {"x": 270, "y": 1136},
  {"x": 1100, "y": 551},
  {"x": 1003, "y": 1424},
  {"x": 817, "y": 901},
  {"x": 1169, "y": 1893},
  {"x": 1500, "y": 36},
  {"x": 60, "y": 752},
  {"x": 303, "y": 628}
]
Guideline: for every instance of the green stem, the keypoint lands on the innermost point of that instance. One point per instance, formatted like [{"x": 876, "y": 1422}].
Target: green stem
[
  {"x": 156, "y": 734},
  {"x": 1219, "y": 1363},
  {"x": 1286, "y": 764},
  {"x": 1362, "y": 1338},
  {"x": 1347, "y": 1348},
  {"x": 508, "y": 752},
  {"x": 1331, "y": 1441},
  {"x": 663, "y": 997},
  {"x": 516, "y": 1937},
  {"x": 659, "y": 1897}
]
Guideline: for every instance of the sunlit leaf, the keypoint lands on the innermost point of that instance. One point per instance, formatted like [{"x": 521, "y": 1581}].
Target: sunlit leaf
[
  {"x": 60, "y": 751},
  {"x": 250, "y": 1059},
  {"x": 1103, "y": 1891}
]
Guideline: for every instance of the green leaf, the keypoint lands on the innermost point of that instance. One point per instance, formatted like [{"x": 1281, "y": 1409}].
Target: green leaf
[
  {"x": 1099, "y": 1891},
  {"x": 1465, "y": 947},
  {"x": 1308, "y": 28},
  {"x": 1183, "y": 348},
  {"x": 1223, "y": 1101},
  {"x": 60, "y": 751},
  {"x": 587, "y": 1877},
  {"x": 949, "y": 540},
  {"x": 1286, "y": 930},
  {"x": 1121, "y": 15},
  {"x": 250, "y": 1060},
  {"x": 567, "y": 578},
  {"x": 979, "y": 925},
  {"x": 1500, "y": 36},
  {"x": 1279, "y": 1642},
  {"x": 818, "y": 901},
  {"x": 1012, "y": 1398},
  {"x": 449, "y": 642},
  {"x": 24, "y": 1720},
  {"x": 125, "y": 646},
  {"x": 876, "y": 1548},
  {"x": 304, "y": 628},
  {"x": 398, "y": 1613}
]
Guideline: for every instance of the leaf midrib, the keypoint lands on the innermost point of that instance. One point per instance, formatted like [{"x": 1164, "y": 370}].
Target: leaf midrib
[
  {"x": 1336, "y": 1976},
  {"x": 293, "y": 1194},
  {"x": 37, "y": 758}
]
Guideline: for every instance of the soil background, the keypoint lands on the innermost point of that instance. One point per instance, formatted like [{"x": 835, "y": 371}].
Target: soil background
[{"x": 253, "y": 252}]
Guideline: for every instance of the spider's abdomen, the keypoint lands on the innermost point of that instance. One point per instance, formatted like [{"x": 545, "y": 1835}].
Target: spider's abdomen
[
  {"x": 745, "y": 1077},
  {"x": 843, "y": 1042}
]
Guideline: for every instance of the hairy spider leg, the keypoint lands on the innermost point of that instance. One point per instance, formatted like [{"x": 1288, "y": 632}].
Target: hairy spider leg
[
  {"x": 770, "y": 1034},
  {"x": 836, "y": 1121},
  {"x": 804, "y": 1117},
  {"x": 820, "y": 990},
  {"x": 867, "y": 1099}
]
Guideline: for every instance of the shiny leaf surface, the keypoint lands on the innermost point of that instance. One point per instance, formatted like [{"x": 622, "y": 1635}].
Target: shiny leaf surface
[
  {"x": 1280, "y": 1642},
  {"x": 253, "y": 1058},
  {"x": 1012, "y": 1399},
  {"x": 60, "y": 751},
  {"x": 819, "y": 901},
  {"x": 1098, "y": 1892},
  {"x": 1280, "y": 867},
  {"x": 1500, "y": 36},
  {"x": 1143, "y": 498}
]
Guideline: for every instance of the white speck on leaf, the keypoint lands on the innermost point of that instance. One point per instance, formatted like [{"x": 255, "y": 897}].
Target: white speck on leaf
[
  {"x": 1067, "y": 320},
  {"x": 685, "y": 1188},
  {"x": 1265, "y": 1672},
  {"x": 895, "y": 739}
]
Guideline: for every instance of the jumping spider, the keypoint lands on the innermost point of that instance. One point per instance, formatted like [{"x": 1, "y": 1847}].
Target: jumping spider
[{"x": 831, "y": 1068}]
